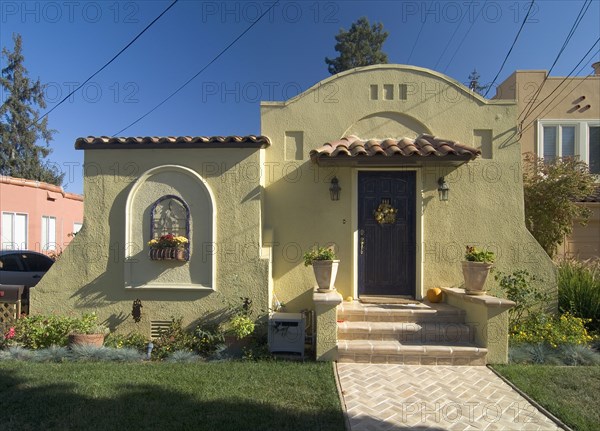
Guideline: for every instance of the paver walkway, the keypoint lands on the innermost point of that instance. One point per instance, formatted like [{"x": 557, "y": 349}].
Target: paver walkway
[{"x": 413, "y": 397}]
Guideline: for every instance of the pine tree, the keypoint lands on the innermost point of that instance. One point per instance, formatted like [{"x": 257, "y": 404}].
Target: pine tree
[
  {"x": 20, "y": 128},
  {"x": 359, "y": 46}
]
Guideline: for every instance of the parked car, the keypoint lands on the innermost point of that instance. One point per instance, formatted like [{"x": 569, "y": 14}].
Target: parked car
[{"x": 23, "y": 267}]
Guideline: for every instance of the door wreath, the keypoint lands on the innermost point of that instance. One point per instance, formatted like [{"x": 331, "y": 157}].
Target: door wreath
[{"x": 385, "y": 213}]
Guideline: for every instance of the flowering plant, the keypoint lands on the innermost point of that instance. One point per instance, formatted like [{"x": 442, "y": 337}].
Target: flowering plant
[
  {"x": 385, "y": 213},
  {"x": 473, "y": 254},
  {"x": 168, "y": 241}
]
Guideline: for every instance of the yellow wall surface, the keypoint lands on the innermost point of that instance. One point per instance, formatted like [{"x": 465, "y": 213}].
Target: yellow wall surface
[
  {"x": 92, "y": 274},
  {"x": 486, "y": 201},
  {"x": 275, "y": 202}
]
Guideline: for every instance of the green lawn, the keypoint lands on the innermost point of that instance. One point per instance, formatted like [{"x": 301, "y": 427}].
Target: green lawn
[
  {"x": 570, "y": 393},
  {"x": 160, "y": 396}
]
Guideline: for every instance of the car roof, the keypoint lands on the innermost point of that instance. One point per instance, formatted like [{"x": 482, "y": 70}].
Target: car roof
[{"x": 7, "y": 252}]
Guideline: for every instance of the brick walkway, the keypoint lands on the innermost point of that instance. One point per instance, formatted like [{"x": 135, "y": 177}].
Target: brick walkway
[{"x": 412, "y": 397}]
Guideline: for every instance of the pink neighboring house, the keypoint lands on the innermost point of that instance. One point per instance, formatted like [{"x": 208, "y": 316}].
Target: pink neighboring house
[{"x": 37, "y": 216}]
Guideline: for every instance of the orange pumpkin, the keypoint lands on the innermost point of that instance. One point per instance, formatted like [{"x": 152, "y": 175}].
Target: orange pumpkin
[{"x": 434, "y": 295}]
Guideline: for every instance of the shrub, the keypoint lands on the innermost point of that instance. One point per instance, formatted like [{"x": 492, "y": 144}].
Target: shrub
[
  {"x": 38, "y": 332},
  {"x": 209, "y": 339},
  {"x": 521, "y": 288},
  {"x": 241, "y": 326},
  {"x": 539, "y": 328},
  {"x": 133, "y": 340},
  {"x": 318, "y": 253},
  {"x": 172, "y": 339},
  {"x": 183, "y": 356},
  {"x": 579, "y": 290}
]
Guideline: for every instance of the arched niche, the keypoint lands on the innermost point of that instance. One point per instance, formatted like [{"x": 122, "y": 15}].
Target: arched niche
[
  {"x": 170, "y": 199},
  {"x": 381, "y": 125}
]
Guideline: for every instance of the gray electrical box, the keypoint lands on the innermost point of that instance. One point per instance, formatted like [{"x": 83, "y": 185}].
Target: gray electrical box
[{"x": 286, "y": 333}]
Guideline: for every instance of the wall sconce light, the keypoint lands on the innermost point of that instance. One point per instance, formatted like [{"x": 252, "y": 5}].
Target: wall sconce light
[
  {"x": 334, "y": 189},
  {"x": 443, "y": 189}
]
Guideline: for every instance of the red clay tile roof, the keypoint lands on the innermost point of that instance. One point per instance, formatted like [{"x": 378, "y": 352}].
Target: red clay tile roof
[
  {"x": 389, "y": 151},
  {"x": 594, "y": 196},
  {"x": 107, "y": 142}
]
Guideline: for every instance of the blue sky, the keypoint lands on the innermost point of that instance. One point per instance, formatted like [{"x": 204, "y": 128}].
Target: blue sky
[{"x": 66, "y": 41}]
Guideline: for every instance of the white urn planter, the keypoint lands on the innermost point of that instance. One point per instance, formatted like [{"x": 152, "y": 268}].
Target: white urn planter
[
  {"x": 475, "y": 274},
  {"x": 325, "y": 273}
]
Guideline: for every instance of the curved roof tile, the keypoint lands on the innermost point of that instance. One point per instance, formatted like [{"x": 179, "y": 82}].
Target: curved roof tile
[
  {"x": 131, "y": 142},
  {"x": 424, "y": 146}
]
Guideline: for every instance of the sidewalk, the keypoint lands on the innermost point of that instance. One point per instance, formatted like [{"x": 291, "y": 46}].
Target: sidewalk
[{"x": 414, "y": 397}]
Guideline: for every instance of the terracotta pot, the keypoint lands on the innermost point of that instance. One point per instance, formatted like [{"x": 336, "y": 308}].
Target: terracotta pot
[
  {"x": 475, "y": 274},
  {"x": 325, "y": 273},
  {"x": 171, "y": 253},
  {"x": 96, "y": 340}
]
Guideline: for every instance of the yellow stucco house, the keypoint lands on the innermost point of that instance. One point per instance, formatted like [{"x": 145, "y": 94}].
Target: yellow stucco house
[{"x": 252, "y": 205}]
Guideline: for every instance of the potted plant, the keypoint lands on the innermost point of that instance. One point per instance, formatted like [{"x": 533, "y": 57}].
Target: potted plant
[
  {"x": 239, "y": 328},
  {"x": 87, "y": 331},
  {"x": 169, "y": 247},
  {"x": 325, "y": 266},
  {"x": 476, "y": 268}
]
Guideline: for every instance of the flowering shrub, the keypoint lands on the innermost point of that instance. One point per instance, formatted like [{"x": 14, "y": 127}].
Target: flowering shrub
[
  {"x": 133, "y": 340},
  {"x": 555, "y": 331},
  {"x": 168, "y": 241}
]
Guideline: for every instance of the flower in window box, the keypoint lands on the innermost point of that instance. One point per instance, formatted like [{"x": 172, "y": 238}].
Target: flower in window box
[{"x": 168, "y": 241}]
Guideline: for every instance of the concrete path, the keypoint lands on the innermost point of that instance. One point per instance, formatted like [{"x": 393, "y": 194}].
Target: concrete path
[{"x": 413, "y": 397}]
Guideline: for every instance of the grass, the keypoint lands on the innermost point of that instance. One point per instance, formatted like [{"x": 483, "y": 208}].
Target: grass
[
  {"x": 570, "y": 393},
  {"x": 199, "y": 396}
]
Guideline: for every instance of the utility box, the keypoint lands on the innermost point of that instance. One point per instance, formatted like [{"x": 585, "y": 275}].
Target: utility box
[{"x": 286, "y": 333}]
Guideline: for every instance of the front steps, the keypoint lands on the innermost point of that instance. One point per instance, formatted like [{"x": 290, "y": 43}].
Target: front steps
[{"x": 415, "y": 334}]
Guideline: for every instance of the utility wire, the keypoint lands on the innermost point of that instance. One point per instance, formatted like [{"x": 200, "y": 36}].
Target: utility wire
[
  {"x": 576, "y": 23},
  {"x": 181, "y": 87},
  {"x": 452, "y": 37},
  {"x": 110, "y": 61},
  {"x": 563, "y": 89},
  {"x": 511, "y": 48},
  {"x": 465, "y": 36},
  {"x": 417, "y": 39}
]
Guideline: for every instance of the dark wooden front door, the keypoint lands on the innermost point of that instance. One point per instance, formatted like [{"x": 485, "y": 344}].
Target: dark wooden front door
[{"x": 386, "y": 251}]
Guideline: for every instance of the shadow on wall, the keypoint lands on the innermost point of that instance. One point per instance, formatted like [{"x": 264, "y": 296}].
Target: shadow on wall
[{"x": 108, "y": 288}]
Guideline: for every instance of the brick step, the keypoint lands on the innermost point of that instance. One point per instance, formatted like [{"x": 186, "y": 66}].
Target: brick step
[
  {"x": 405, "y": 332},
  {"x": 394, "y": 352},
  {"x": 418, "y": 313}
]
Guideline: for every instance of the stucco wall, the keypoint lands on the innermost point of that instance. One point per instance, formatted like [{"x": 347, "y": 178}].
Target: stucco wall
[
  {"x": 486, "y": 197},
  {"x": 90, "y": 276},
  {"x": 38, "y": 199}
]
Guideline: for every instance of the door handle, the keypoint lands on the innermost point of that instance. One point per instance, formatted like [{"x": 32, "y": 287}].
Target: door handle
[{"x": 362, "y": 241}]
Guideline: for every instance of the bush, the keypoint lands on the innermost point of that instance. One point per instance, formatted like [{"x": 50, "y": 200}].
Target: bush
[
  {"x": 39, "y": 332},
  {"x": 521, "y": 288},
  {"x": 579, "y": 290},
  {"x": 134, "y": 340},
  {"x": 540, "y": 328},
  {"x": 172, "y": 339}
]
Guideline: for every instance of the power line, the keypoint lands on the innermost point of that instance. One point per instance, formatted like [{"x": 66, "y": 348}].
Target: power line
[
  {"x": 417, "y": 39},
  {"x": 465, "y": 36},
  {"x": 576, "y": 23},
  {"x": 511, "y": 48},
  {"x": 181, "y": 87},
  {"x": 561, "y": 83},
  {"x": 451, "y": 38},
  {"x": 110, "y": 61}
]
